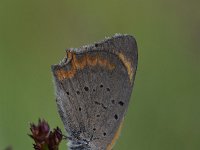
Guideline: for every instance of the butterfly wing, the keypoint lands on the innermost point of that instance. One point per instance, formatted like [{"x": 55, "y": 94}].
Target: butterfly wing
[{"x": 93, "y": 89}]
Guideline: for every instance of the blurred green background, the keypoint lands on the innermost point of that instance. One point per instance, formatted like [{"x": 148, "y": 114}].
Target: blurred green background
[{"x": 164, "y": 113}]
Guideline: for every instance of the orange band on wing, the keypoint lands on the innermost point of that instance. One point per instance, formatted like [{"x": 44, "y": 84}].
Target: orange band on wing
[
  {"x": 127, "y": 64},
  {"x": 85, "y": 60},
  {"x": 91, "y": 60},
  {"x": 79, "y": 63},
  {"x": 116, "y": 136}
]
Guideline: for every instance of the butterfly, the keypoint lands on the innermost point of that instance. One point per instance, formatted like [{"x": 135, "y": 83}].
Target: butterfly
[{"x": 93, "y": 85}]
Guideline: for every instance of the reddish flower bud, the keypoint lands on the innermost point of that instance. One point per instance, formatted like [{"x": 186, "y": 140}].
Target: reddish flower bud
[
  {"x": 44, "y": 138},
  {"x": 40, "y": 132}
]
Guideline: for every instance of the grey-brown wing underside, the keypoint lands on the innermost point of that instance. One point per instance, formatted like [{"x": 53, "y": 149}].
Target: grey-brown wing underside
[{"x": 93, "y": 88}]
